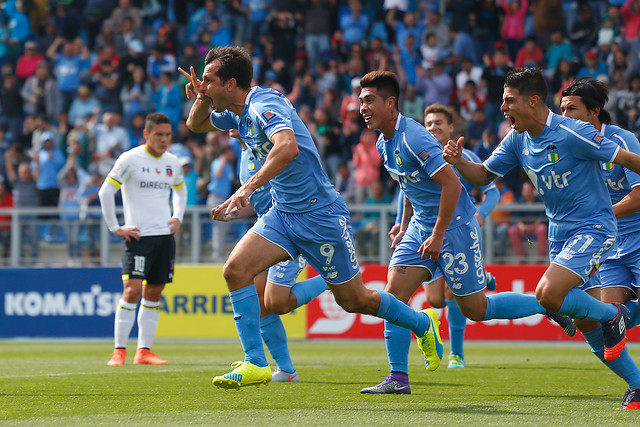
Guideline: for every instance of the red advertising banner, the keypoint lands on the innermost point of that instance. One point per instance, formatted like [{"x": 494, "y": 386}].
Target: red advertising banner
[{"x": 326, "y": 319}]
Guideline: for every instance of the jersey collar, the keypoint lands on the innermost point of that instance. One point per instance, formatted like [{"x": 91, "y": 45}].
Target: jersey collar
[
  {"x": 149, "y": 153},
  {"x": 604, "y": 125},
  {"x": 250, "y": 94}
]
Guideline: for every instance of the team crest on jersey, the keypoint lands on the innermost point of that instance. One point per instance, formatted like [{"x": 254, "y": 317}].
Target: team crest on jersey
[
  {"x": 268, "y": 115},
  {"x": 398, "y": 161},
  {"x": 552, "y": 153},
  {"x": 597, "y": 139},
  {"x": 252, "y": 166},
  {"x": 169, "y": 171},
  {"x": 424, "y": 155},
  {"x": 607, "y": 166}
]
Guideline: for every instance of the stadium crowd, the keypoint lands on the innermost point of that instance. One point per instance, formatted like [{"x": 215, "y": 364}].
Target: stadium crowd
[{"x": 78, "y": 77}]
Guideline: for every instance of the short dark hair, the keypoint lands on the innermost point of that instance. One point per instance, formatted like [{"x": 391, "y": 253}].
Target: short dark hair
[
  {"x": 439, "y": 109},
  {"x": 154, "y": 119},
  {"x": 593, "y": 93},
  {"x": 235, "y": 63},
  {"x": 385, "y": 83},
  {"x": 528, "y": 81}
]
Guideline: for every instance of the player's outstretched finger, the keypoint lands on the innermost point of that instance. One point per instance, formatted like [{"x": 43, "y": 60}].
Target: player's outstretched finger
[{"x": 184, "y": 73}]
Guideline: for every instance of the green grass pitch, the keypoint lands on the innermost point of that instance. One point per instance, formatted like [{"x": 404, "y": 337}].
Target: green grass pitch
[{"x": 68, "y": 383}]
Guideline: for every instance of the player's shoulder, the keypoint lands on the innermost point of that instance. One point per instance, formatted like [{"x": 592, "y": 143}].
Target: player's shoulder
[
  {"x": 132, "y": 153},
  {"x": 620, "y": 136},
  {"x": 168, "y": 156},
  {"x": 414, "y": 133},
  {"x": 266, "y": 104}
]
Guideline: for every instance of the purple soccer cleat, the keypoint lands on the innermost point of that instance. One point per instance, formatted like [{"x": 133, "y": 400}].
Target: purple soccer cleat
[{"x": 395, "y": 383}]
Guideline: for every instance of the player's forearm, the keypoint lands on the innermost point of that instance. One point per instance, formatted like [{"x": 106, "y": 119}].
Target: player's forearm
[
  {"x": 108, "y": 205},
  {"x": 179, "y": 202},
  {"x": 629, "y": 204},
  {"x": 285, "y": 149},
  {"x": 473, "y": 172},
  {"x": 448, "y": 203},
  {"x": 492, "y": 196},
  {"x": 407, "y": 213},
  {"x": 198, "y": 120}
]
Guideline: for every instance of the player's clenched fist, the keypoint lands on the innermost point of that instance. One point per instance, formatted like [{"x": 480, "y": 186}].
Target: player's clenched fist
[{"x": 452, "y": 151}]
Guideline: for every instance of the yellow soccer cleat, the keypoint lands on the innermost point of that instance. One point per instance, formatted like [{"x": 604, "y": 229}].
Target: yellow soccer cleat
[
  {"x": 243, "y": 374},
  {"x": 430, "y": 343}
]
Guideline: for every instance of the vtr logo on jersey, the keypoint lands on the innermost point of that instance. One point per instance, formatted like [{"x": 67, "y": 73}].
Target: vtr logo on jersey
[
  {"x": 616, "y": 186},
  {"x": 554, "y": 180}
]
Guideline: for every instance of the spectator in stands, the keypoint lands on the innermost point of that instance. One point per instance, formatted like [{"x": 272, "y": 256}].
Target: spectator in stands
[
  {"x": 6, "y": 201},
  {"x": 354, "y": 24},
  {"x": 435, "y": 25},
  {"x": 412, "y": 104},
  {"x": 40, "y": 93},
  {"x": 28, "y": 62},
  {"x": 68, "y": 68},
  {"x": 220, "y": 186},
  {"x": 167, "y": 98},
  {"x": 630, "y": 13},
  {"x": 111, "y": 137},
  {"x": 345, "y": 183},
  {"x": 559, "y": 49},
  {"x": 126, "y": 35},
  {"x": 547, "y": 18},
  {"x": 513, "y": 24},
  {"x": 367, "y": 236},
  {"x": 259, "y": 10},
  {"x": 593, "y": 67},
  {"x": 126, "y": 10},
  {"x": 487, "y": 144},
  {"x": 407, "y": 60},
  {"x": 25, "y": 195},
  {"x": 409, "y": 24},
  {"x": 318, "y": 26},
  {"x": 85, "y": 104},
  {"x": 584, "y": 33},
  {"x": 78, "y": 143},
  {"x": 468, "y": 71},
  {"x": 94, "y": 13},
  {"x": 366, "y": 162},
  {"x": 136, "y": 96},
  {"x": 67, "y": 21},
  {"x": 135, "y": 129},
  {"x": 220, "y": 35},
  {"x": 431, "y": 52},
  {"x": 471, "y": 99},
  {"x": 629, "y": 100},
  {"x": 529, "y": 55},
  {"x": 69, "y": 204},
  {"x": 46, "y": 164},
  {"x": 107, "y": 86},
  {"x": 476, "y": 127},
  {"x": 19, "y": 30},
  {"x": 528, "y": 224},
  {"x": 495, "y": 70},
  {"x": 434, "y": 84},
  {"x": 501, "y": 218},
  {"x": 463, "y": 47},
  {"x": 562, "y": 76},
  {"x": 11, "y": 104},
  {"x": 486, "y": 30},
  {"x": 47, "y": 36},
  {"x": 158, "y": 63},
  {"x": 622, "y": 69}
]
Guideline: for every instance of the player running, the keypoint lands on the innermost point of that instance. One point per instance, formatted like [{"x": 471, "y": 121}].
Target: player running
[
  {"x": 278, "y": 291},
  {"x": 308, "y": 216},
  {"x": 145, "y": 175},
  {"x": 439, "y": 229},
  {"x": 560, "y": 156},
  {"x": 584, "y": 99}
]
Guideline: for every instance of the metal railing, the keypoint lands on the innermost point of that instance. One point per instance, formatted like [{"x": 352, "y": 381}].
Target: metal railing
[{"x": 38, "y": 236}]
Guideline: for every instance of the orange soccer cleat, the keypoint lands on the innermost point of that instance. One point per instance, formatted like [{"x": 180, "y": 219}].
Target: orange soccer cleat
[
  {"x": 117, "y": 357},
  {"x": 144, "y": 356}
]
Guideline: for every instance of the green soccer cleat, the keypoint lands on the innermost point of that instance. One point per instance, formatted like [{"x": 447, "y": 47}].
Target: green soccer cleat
[
  {"x": 456, "y": 361},
  {"x": 430, "y": 343},
  {"x": 243, "y": 374}
]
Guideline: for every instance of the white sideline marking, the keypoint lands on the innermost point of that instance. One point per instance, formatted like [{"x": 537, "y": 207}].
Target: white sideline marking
[{"x": 63, "y": 374}]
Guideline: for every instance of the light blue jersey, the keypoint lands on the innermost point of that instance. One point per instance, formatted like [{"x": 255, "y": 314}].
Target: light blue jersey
[
  {"x": 491, "y": 191},
  {"x": 620, "y": 180},
  {"x": 563, "y": 163},
  {"x": 302, "y": 186},
  {"x": 249, "y": 165},
  {"x": 412, "y": 156}
]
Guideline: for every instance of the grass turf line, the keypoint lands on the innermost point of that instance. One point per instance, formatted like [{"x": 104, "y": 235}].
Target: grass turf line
[{"x": 61, "y": 383}]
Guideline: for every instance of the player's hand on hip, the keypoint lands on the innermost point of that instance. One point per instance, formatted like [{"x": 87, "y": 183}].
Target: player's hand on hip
[
  {"x": 128, "y": 233},
  {"x": 431, "y": 248},
  {"x": 191, "y": 88},
  {"x": 453, "y": 151},
  {"x": 174, "y": 226}
]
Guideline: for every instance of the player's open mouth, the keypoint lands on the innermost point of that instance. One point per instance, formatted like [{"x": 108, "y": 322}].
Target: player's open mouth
[
  {"x": 367, "y": 119},
  {"x": 511, "y": 119}
]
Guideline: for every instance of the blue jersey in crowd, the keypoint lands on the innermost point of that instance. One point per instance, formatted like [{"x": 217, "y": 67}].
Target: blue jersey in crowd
[
  {"x": 249, "y": 165},
  {"x": 563, "y": 163},
  {"x": 620, "y": 180},
  {"x": 412, "y": 156},
  {"x": 302, "y": 186}
]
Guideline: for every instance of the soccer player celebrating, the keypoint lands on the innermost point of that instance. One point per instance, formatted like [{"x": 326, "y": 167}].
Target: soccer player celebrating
[
  {"x": 584, "y": 99},
  {"x": 279, "y": 288},
  {"x": 145, "y": 175},
  {"x": 439, "y": 229},
  {"x": 561, "y": 157},
  {"x": 308, "y": 217}
]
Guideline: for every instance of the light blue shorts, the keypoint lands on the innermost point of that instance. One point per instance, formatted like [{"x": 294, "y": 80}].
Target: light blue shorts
[
  {"x": 323, "y": 237},
  {"x": 583, "y": 254},
  {"x": 286, "y": 272},
  {"x": 460, "y": 260},
  {"x": 622, "y": 268}
]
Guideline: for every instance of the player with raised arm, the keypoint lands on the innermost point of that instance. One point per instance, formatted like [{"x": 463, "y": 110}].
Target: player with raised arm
[
  {"x": 560, "y": 155},
  {"x": 308, "y": 216},
  {"x": 584, "y": 99},
  {"x": 439, "y": 229},
  {"x": 279, "y": 285},
  {"x": 146, "y": 176}
]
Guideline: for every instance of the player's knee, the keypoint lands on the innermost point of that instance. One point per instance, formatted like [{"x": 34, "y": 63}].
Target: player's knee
[
  {"x": 548, "y": 298},
  {"x": 473, "y": 313},
  {"x": 435, "y": 301},
  {"x": 277, "y": 307},
  {"x": 352, "y": 305},
  {"x": 233, "y": 273}
]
